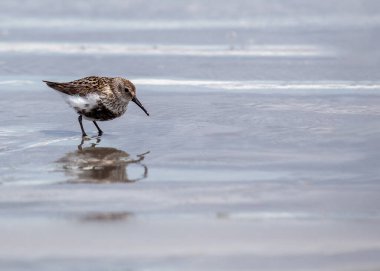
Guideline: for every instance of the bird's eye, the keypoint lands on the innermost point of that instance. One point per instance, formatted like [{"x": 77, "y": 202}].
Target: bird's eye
[{"x": 126, "y": 90}]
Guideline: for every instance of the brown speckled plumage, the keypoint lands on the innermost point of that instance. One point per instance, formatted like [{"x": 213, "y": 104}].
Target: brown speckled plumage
[
  {"x": 98, "y": 98},
  {"x": 81, "y": 87}
]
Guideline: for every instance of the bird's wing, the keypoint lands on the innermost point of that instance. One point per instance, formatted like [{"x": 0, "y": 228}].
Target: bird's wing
[{"x": 80, "y": 87}]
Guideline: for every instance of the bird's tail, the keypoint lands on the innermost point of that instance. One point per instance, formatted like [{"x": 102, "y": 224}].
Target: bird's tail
[
  {"x": 61, "y": 87},
  {"x": 50, "y": 84}
]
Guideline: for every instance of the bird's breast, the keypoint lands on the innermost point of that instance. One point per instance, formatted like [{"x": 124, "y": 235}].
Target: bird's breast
[{"x": 117, "y": 106}]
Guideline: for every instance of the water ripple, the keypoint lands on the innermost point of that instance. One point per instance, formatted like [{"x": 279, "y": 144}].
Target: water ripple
[{"x": 91, "y": 24}]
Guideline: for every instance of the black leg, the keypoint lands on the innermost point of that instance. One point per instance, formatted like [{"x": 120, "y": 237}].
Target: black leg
[
  {"x": 100, "y": 132},
  {"x": 81, "y": 126}
]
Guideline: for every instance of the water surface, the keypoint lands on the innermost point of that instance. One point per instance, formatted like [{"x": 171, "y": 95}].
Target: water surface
[{"x": 261, "y": 151}]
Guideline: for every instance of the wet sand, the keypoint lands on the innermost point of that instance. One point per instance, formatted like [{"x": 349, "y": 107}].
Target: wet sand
[{"x": 261, "y": 151}]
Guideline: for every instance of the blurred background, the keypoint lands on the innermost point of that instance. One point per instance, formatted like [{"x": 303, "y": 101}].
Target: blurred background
[{"x": 239, "y": 40}]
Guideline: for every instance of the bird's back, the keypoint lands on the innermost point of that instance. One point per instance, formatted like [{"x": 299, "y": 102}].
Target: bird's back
[{"x": 81, "y": 87}]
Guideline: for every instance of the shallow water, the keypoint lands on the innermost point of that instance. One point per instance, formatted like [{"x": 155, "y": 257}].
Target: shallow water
[{"x": 261, "y": 151}]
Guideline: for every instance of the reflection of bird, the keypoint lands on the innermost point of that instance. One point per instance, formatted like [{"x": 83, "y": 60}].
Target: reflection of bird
[
  {"x": 98, "y": 98},
  {"x": 101, "y": 165}
]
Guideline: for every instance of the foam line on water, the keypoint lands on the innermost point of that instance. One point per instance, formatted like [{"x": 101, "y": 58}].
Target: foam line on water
[
  {"x": 16, "y": 82},
  {"x": 229, "y": 84},
  {"x": 290, "y": 50},
  {"x": 263, "y": 85}
]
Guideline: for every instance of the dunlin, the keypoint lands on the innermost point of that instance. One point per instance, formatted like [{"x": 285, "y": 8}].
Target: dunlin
[{"x": 98, "y": 98}]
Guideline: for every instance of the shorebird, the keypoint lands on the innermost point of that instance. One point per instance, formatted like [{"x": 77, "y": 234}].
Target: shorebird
[{"x": 98, "y": 98}]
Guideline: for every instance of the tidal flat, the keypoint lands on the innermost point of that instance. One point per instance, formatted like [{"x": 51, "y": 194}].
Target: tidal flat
[{"x": 261, "y": 151}]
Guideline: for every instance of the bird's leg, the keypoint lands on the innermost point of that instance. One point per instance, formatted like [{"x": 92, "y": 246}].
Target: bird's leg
[
  {"x": 81, "y": 144},
  {"x": 100, "y": 132},
  {"x": 81, "y": 126}
]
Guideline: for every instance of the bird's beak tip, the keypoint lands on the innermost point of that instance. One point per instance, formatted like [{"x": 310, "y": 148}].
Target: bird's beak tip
[{"x": 136, "y": 101}]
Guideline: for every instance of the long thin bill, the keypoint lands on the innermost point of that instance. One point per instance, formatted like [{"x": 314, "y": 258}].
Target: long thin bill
[{"x": 136, "y": 101}]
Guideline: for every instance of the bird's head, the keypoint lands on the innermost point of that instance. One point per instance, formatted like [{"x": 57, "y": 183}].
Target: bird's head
[{"x": 128, "y": 90}]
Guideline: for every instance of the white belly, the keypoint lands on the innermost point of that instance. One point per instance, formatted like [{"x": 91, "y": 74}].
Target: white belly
[{"x": 83, "y": 103}]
